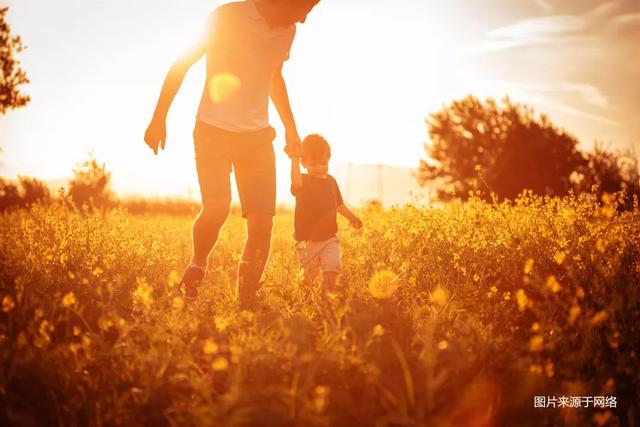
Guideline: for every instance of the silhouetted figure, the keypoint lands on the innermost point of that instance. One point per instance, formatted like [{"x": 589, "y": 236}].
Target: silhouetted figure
[
  {"x": 318, "y": 201},
  {"x": 245, "y": 44}
]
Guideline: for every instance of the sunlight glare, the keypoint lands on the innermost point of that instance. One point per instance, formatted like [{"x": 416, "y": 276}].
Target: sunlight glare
[{"x": 222, "y": 86}]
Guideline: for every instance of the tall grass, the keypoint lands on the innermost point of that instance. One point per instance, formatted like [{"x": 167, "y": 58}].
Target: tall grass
[{"x": 456, "y": 315}]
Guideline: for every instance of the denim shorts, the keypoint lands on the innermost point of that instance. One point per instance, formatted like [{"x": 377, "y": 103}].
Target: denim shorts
[
  {"x": 316, "y": 257},
  {"x": 249, "y": 155}
]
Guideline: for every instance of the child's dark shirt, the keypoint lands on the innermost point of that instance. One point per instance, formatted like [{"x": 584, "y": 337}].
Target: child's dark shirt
[{"x": 317, "y": 201}]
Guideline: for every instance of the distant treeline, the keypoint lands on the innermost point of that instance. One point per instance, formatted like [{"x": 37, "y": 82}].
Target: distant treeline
[{"x": 485, "y": 149}]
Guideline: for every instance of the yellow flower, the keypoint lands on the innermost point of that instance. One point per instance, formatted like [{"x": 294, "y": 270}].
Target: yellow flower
[
  {"x": 104, "y": 323},
  {"x": 442, "y": 345},
  {"x": 378, "y": 330},
  {"x": 221, "y": 322},
  {"x": 220, "y": 364},
  {"x": 535, "y": 369},
  {"x": 528, "y": 266},
  {"x": 97, "y": 272},
  {"x": 68, "y": 300},
  {"x": 506, "y": 295},
  {"x": 580, "y": 293},
  {"x": 7, "y": 303},
  {"x": 321, "y": 398},
  {"x": 548, "y": 369},
  {"x": 440, "y": 296},
  {"x": 607, "y": 211},
  {"x": 74, "y": 347},
  {"x": 599, "y": 317},
  {"x": 521, "y": 299},
  {"x": 574, "y": 312},
  {"x": 553, "y": 284},
  {"x": 535, "y": 326},
  {"x": 322, "y": 390},
  {"x": 536, "y": 343},
  {"x": 210, "y": 347},
  {"x": 600, "y": 246},
  {"x": 383, "y": 284},
  {"x": 142, "y": 294},
  {"x": 569, "y": 215},
  {"x": 236, "y": 352},
  {"x": 174, "y": 278},
  {"x": 178, "y": 303},
  {"x": 607, "y": 198},
  {"x": 559, "y": 257},
  {"x": 44, "y": 332}
]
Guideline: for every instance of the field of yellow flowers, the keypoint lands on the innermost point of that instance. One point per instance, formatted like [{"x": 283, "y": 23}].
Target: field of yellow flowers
[{"x": 452, "y": 315}]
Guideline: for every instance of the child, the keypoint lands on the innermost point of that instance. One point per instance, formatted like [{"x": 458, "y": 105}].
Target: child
[{"x": 318, "y": 200}]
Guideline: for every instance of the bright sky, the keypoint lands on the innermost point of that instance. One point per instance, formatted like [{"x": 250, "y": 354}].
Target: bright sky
[{"x": 365, "y": 73}]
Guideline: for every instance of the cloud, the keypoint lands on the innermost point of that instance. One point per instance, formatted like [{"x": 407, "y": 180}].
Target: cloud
[
  {"x": 606, "y": 19},
  {"x": 588, "y": 93},
  {"x": 625, "y": 25},
  {"x": 566, "y": 109},
  {"x": 575, "y": 99},
  {"x": 538, "y": 27},
  {"x": 544, "y": 5}
]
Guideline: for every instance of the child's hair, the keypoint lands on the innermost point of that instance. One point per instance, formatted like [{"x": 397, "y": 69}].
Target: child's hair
[{"x": 315, "y": 146}]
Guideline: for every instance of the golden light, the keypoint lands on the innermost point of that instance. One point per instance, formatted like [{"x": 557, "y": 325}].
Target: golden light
[{"x": 222, "y": 86}]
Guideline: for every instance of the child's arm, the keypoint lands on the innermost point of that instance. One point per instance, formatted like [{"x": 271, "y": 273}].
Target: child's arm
[
  {"x": 296, "y": 176},
  {"x": 353, "y": 219}
]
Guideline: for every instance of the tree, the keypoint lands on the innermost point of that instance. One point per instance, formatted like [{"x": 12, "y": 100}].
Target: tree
[
  {"x": 90, "y": 184},
  {"x": 11, "y": 75},
  {"x": 609, "y": 172},
  {"x": 503, "y": 149}
]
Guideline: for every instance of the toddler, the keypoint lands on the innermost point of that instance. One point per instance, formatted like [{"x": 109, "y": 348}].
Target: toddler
[{"x": 318, "y": 201}]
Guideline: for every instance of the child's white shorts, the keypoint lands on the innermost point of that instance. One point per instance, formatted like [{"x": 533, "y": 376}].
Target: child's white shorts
[{"x": 316, "y": 257}]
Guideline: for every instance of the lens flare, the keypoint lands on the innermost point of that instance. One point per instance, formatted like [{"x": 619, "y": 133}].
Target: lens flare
[{"x": 222, "y": 86}]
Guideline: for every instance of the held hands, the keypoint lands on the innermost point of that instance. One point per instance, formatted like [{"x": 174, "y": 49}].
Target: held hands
[
  {"x": 156, "y": 135},
  {"x": 356, "y": 222},
  {"x": 292, "y": 147}
]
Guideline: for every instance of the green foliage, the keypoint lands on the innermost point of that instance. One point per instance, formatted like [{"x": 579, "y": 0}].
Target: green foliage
[
  {"x": 11, "y": 75},
  {"x": 443, "y": 313},
  {"x": 515, "y": 150},
  {"x": 90, "y": 185}
]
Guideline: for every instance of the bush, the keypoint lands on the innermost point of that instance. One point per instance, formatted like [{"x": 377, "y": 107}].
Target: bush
[
  {"x": 9, "y": 195},
  {"x": 28, "y": 191},
  {"x": 607, "y": 172},
  {"x": 34, "y": 191},
  {"x": 90, "y": 185}
]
